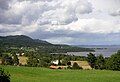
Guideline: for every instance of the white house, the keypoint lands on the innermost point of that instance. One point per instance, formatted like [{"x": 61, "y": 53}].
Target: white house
[{"x": 55, "y": 62}]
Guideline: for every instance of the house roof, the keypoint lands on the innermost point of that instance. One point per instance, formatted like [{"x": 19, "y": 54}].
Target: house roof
[{"x": 57, "y": 67}]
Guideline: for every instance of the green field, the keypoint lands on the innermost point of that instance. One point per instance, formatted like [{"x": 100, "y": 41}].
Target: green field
[{"x": 33, "y": 74}]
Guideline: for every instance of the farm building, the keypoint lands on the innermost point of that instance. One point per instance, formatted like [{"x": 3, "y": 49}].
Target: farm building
[
  {"x": 58, "y": 67},
  {"x": 83, "y": 64},
  {"x": 56, "y": 62}
]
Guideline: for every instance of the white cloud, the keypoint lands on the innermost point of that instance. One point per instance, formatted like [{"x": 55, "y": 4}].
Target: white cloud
[
  {"x": 116, "y": 13},
  {"x": 91, "y": 25},
  {"x": 6, "y": 29},
  {"x": 105, "y": 5},
  {"x": 95, "y": 26},
  {"x": 83, "y": 7},
  {"x": 59, "y": 40},
  {"x": 63, "y": 11}
]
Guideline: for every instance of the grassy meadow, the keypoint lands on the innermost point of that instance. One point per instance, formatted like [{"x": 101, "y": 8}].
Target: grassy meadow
[{"x": 35, "y": 74}]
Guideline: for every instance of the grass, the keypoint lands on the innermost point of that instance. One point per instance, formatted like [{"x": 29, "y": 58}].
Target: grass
[{"x": 34, "y": 74}]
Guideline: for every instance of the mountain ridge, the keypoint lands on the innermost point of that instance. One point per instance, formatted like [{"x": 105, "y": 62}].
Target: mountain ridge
[
  {"x": 26, "y": 41},
  {"x": 22, "y": 40}
]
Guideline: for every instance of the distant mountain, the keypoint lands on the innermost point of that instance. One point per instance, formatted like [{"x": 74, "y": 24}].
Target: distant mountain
[
  {"x": 43, "y": 46},
  {"x": 21, "y": 40}
]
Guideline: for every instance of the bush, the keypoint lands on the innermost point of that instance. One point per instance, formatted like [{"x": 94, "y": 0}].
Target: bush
[
  {"x": 4, "y": 77},
  {"x": 76, "y": 66},
  {"x": 100, "y": 62},
  {"x": 113, "y": 63},
  {"x": 91, "y": 59},
  {"x": 69, "y": 67}
]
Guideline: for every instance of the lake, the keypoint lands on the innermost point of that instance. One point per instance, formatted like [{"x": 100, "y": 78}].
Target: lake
[{"x": 105, "y": 50}]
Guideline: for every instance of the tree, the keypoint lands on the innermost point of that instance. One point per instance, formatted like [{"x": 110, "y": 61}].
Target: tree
[
  {"x": 3, "y": 61},
  {"x": 15, "y": 59},
  {"x": 59, "y": 58},
  {"x": 76, "y": 66},
  {"x": 91, "y": 59},
  {"x": 7, "y": 60},
  {"x": 65, "y": 60},
  {"x": 100, "y": 62},
  {"x": 32, "y": 61},
  {"x": 113, "y": 63},
  {"x": 68, "y": 63},
  {"x": 4, "y": 77}
]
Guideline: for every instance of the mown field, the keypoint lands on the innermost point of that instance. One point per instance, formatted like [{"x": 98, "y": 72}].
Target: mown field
[{"x": 34, "y": 74}]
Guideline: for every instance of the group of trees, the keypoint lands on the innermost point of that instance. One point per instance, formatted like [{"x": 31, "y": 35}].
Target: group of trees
[
  {"x": 35, "y": 58},
  {"x": 96, "y": 62},
  {"x": 38, "y": 61},
  {"x": 113, "y": 62},
  {"x": 42, "y": 59},
  {"x": 109, "y": 63},
  {"x": 9, "y": 60}
]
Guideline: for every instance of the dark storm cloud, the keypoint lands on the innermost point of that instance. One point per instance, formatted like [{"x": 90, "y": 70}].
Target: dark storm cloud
[{"x": 4, "y": 4}]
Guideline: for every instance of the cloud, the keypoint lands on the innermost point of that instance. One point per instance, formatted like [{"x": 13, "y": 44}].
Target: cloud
[
  {"x": 6, "y": 29},
  {"x": 86, "y": 26},
  {"x": 91, "y": 39},
  {"x": 4, "y": 4},
  {"x": 48, "y": 10},
  {"x": 83, "y": 31},
  {"x": 61, "y": 21},
  {"x": 83, "y": 7},
  {"x": 89, "y": 26},
  {"x": 116, "y": 13},
  {"x": 112, "y": 7}
]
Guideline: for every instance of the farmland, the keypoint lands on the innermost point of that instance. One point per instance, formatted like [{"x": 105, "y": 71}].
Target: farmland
[{"x": 36, "y": 74}]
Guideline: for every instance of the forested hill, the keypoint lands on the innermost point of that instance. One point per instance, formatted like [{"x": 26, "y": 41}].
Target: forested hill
[
  {"x": 21, "y": 41},
  {"x": 25, "y": 41}
]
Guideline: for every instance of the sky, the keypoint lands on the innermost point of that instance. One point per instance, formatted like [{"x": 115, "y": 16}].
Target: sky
[{"x": 74, "y": 22}]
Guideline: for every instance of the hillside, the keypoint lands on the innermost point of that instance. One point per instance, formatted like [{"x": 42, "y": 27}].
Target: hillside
[
  {"x": 21, "y": 40},
  {"x": 44, "y": 46}
]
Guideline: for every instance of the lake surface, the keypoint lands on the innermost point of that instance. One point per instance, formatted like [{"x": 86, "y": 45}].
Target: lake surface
[{"x": 105, "y": 50}]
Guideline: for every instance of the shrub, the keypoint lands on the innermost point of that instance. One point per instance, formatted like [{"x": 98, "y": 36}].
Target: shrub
[
  {"x": 69, "y": 67},
  {"x": 113, "y": 63},
  {"x": 76, "y": 66},
  {"x": 4, "y": 77}
]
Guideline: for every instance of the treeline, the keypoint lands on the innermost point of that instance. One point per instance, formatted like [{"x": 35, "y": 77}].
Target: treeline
[
  {"x": 63, "y": 49},
  {"x": 108, "y": 63}
]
